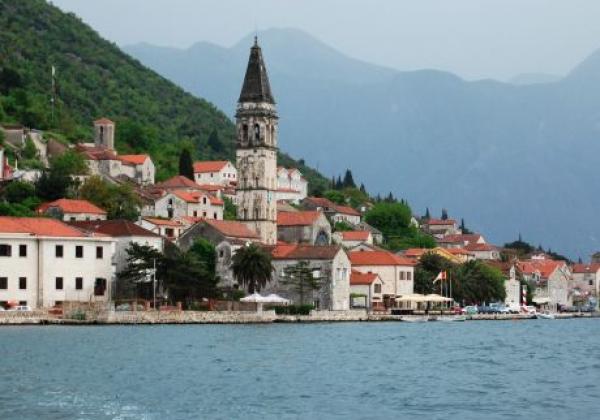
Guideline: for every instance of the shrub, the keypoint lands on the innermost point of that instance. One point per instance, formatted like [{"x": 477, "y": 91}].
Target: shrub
[{"x": 292, "y": 309}]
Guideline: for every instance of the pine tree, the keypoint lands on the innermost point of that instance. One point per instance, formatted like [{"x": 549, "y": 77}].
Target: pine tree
[
  {"x": 427, "y": 214},
  {"x": 214, "y": 142},
  {"x": 444, "y": 214},
  {"x": 339, "y": 184},
  {"x": 349, "y": 180},
  {"x": 186, "y": 166},
  {"x": 333, "y": 182},
  {"x": 363, "y": 189}
]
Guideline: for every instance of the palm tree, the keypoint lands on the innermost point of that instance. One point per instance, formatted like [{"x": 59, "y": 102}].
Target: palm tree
[{"x": 252, "y": 267}]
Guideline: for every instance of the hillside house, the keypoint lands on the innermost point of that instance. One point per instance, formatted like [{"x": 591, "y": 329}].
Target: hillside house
[
  {"x": 306, "y": 227},
  {"x": 70, "y": 210},
  {"x": 440, "y": 227},
  {"x": 585, "y": 281},
  {"x": 291, "y": 185},
  {"x": 370, "y": 286},
  {"x": 215, "y": 172},
  {"x": 551, "y": 279},
  {"x": 350, "y": 239}
]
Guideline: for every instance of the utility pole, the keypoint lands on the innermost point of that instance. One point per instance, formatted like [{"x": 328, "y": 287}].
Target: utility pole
[{"x": 154, "y": 283}]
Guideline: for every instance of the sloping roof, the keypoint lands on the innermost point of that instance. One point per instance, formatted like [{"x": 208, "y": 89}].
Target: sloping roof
[
  {"x": 544, "y": 267},
  {"x": 209, "y": 166},
  {"x": 346, "y": 210},
  {"x": 72, "y": 206},
  {"x": 378, "y": 258},
  {"x": 39, "y": 226},
  {"x": 357, "y": 278},
  {"x": 585, "y": 268},
  {"x": 356, "y": 235},
  {"x": 464, "y": 238},
  {"x": 232, "y": 229},
  {"x": 96, "y": 153},
  {"x": 320, "y": 202},
  {"x": 256, "y": 87},
  {"x": 303, "y": 252},
  {"x": 297, "y": 218},
  {"x": 114, "y": 228},
  {"x": 473, "y": 247},
  {"x": 163, "y": 222},
  {"x": 178, "y": 181},
  {"x": 133, "y": 159},
  {"x": 103, "y": 121}
]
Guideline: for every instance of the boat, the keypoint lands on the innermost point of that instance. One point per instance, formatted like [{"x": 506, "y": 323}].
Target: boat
[
  {"x": 412, "y": 318},
  {"x": 545, "y": 315},
  {"x": 452, "y": 318}
]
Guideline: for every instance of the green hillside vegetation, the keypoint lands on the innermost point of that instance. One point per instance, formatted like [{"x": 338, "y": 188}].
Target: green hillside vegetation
[{"x": 94, "y": 78}]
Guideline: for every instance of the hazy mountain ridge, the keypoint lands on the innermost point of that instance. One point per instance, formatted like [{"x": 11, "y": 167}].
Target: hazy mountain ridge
[{"x": 509, "y": 158}]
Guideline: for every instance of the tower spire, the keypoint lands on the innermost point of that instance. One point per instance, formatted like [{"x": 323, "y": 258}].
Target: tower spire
[{"x": 256, "y": 87}]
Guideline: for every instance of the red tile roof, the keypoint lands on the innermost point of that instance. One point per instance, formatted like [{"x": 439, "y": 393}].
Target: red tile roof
[
  {"x": 357, "y": 278},
  {"x": 304, "y": 252},
  {"x": 72, "y": 206},
  {"x": 233, "y": 229},
  {"x": 96, "y": 153},
  {"x": 103, "y": 121},
  {"x": 178, "y": 182},
  {"x": 209, "y": 166},
  {"x": 356, "y": 235},
  {"x": 196, "y": 197},
  {"x": 416, "y": 252},
  {"x": 463, "y": 239},
  {"x": 347, "y": 210},
  {"x": 133, "y": 159},
  {"x": 297, "y": 218},
  {"x": 458, "y": 251},
  {"x": 114, "y": 228},
  {"x": 163, "y": 222},
  {"x": 544, "y": 267},
  {"x": 473, "y": 247},
  {"x": 585, "y": 268},
  {"x": 378, "y": 258},
  {"x": 321, "y": 202},
  {"x": 38, "y": 226}
]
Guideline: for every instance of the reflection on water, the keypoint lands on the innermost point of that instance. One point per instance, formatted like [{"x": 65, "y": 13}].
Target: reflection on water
[{"x": 471, "y": 370}]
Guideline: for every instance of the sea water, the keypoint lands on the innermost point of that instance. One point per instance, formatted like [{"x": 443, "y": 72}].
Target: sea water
[{"x": 472, "y": 370}]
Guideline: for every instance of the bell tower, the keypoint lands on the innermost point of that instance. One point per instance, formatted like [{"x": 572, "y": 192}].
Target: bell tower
[{"x": 256, "y": 155}]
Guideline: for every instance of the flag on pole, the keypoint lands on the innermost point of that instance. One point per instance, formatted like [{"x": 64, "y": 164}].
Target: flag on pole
[{"x": 441, "y": 276}]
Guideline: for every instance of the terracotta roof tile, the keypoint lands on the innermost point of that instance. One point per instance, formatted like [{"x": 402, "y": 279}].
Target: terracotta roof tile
[
  {"x": 346, "y": 210},
  {"x": 178, "y": 182},
  {"x": 72, "y": 206},
  {"x": 209, "y": 166},
  {"x": 356, "y": 235},
  {"x": 297, "y": 218},
  {"x": 233, "y": 229},
  {"x": 114, "y": 228},
  {"x": 585, "y": 268},
  {"x": 440, "y": 222},
  {"x": 38, "y": 226},
  {"x": 133, "y": 159},
  {"x": 378, "y": 258},
  {"x": 304, "y": 252},
  {"x": 103, "y": 121},
  {"x": 357, "y": 278}
]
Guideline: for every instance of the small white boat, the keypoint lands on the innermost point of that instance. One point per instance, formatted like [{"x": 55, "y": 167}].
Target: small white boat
[
  {"x": 412, "y": 318},
  {"x": 545, "y": 315},
  {"x": 452, "y": 318}
]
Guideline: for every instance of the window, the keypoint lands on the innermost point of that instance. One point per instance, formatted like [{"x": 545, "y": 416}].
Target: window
[
  {"x": 99, "y": 287},
  {"x": 221, "y": 253},
  {"x": 402, "y": 275},
  {"x": 169, "y": 232},
  {"x": 195, "y": 213},
  {"x": 58, "y": 251},
  {"x": 256, "y": 132},
  {"x": 377, "y": 288},
  {"x": 79, "y": 251},
  {"x": 215, "y": 216},
  {"x": 5, "y": 250},
  {"x": 245, "y": 132},
  {"x": 22, "y": 283},
  {"x": 99, "y": 252},
  {"x": 78, "y": 283},
  {"x": 3, "y": 283},
  {"x": 203, "y": 200},
  {"x": 203, "y": 214},
  {"x": 22, "y": 250},
  {"x": 408, "y": 275},
  {"x": 59, "y": 283},
  {"x": 72, "y": 219},
  {"x": 591, "y": 282}
]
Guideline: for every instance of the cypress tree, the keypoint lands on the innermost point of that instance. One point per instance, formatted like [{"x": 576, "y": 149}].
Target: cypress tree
[
  {"x": 427, "y": 214},
  {"x": 363, "y": 189},
  {"x": 349, "y": 180},
  {"x": 186, "y": 166},
  {"x": 444, "y": 214},
  {"x": 339, "y": 184}
]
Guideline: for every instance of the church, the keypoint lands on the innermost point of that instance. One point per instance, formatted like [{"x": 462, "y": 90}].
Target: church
[{"x": 256, "y": 155}]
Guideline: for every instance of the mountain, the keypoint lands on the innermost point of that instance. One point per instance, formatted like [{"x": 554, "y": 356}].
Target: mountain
[
  {"x": 533, "y": 78},
  {"x": 94, "y": 78},
  {"x": 509, "y": 158}
]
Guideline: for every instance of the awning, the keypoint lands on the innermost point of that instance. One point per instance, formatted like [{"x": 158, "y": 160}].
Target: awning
[
  {"x": 437, "y": 298},
  {"x": 541, "y": 300},
  {"x": 411, "y": 298}
]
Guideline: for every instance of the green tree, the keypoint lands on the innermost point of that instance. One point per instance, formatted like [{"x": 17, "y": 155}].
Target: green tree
[
  {"x": 186, "y": 165},
  {"x": 430, "y": 265},
  {"x": 52, "y": 185},
  {"x": 29, "y": 150},
  {"x": 302, "y": 279},
  {"x": 342, "y": 227},
  {"x": 427, "y": 214},
  {"x": 252, "y": 267},
  {"x": 119, "y": 201},
  {"x": 230, "y": 211},
  {"x": 135, "y": 280},
  {"x": 335, "y": 196},
  {"x": 214, "y": 142},
  {"x": 19, "y": 191},
  {"x": 205, "y": 252},
  {"x": 69, "y": 163},
  {"x": 348, "y": 180},
  {"x": 476, "y": 283}
]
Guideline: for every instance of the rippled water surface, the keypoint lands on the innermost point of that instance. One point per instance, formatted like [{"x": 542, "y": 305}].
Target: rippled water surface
[{"x": 471, "y": 370}]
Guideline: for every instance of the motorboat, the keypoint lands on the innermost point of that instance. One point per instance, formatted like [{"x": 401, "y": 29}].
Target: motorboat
[
  {"x": 452, "y": 318},
  {"x": 545, "y": 315},
  {"x": 413, "y": 318}
]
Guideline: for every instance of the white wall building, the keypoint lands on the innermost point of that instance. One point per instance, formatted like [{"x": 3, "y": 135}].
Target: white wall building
[
  {"x": 44, "y": 262},
  {"x": 215, "y": 172},
  {"x": 195, "y": 204},
  {"x": 72, "y": 210},
  {"x": 291, "y": 185}
]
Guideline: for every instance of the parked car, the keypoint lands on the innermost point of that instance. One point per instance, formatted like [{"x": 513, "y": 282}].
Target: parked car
[
  {"x": 20, "y": 308},
  {"x": 471, "y": 310},
  {"x": 457, "y": 310}
]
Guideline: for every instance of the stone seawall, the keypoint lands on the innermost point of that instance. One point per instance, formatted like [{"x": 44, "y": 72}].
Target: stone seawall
[{"x": 232, "y": 317}]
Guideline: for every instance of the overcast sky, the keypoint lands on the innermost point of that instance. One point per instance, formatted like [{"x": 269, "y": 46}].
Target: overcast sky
[{"x": 472, "y": 38}]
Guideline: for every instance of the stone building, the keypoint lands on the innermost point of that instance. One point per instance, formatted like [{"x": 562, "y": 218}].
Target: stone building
[
  {"x": 307, "y": 227},
  {"x": 70, "y": 210},
  {"x": 291, "y": 185},
  {"x": 256, "y": 123},
  {"x": 215, "y": 172},
  {"x": 329, "y": 263}
]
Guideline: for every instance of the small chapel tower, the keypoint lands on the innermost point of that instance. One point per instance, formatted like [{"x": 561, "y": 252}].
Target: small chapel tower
[
  {"x": 104, "y": 133},
  {"x": 256, "y": 122}
]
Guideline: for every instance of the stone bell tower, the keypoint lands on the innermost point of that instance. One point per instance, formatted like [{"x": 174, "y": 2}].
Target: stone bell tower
[
  {"x": 104, "y": 134},
  {"x": 256, "y": 122}
]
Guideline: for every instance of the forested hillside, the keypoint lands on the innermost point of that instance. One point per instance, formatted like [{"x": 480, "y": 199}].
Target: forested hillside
[{"x": 94, "y": 78}]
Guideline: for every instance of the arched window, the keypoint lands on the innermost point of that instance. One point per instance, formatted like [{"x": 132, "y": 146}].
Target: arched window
[
  {"x": 256, "y": 213},
  {"x": 322, "y": 238},
  {"x": 245, "y": 214},
  {"x": 256, "y": 133},
  {"x": 256, "y": 181},
  {"x": 203, "y": 200},
  {"x": 101, "y": 134},
  {"x": 273, "y": 135},
  {"x": 245, "y": 133}
]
